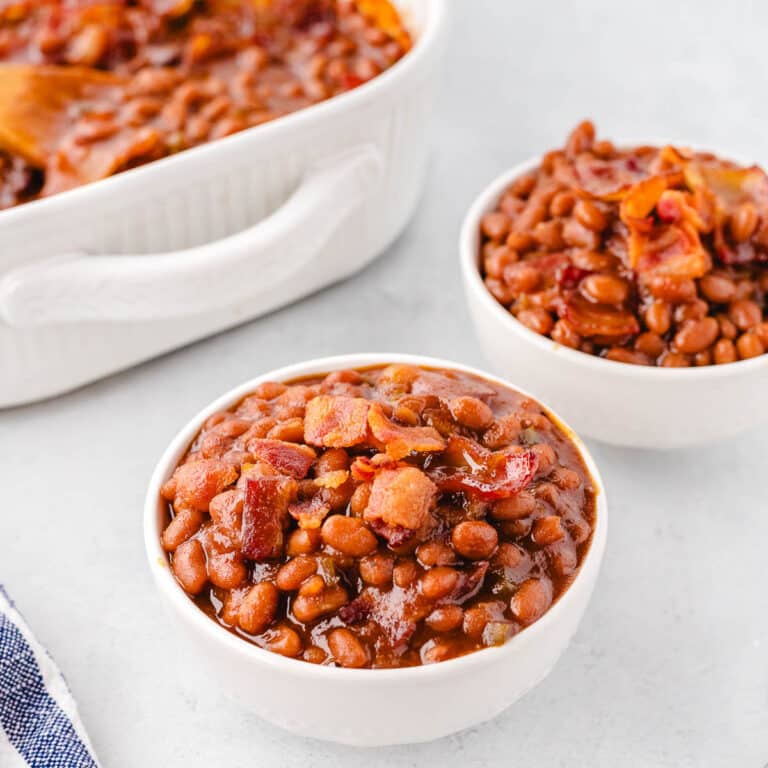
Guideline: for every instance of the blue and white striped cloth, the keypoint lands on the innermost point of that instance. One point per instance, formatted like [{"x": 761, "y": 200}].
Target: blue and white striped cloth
[{"x": 39, "y": 724}]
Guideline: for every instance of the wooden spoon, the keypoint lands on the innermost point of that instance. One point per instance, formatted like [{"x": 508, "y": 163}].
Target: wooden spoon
[{"x": 36, "y": 105}]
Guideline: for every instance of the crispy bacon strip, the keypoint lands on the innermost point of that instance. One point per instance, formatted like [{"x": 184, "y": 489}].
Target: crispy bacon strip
[
  {"x": 264, "y": 510},
  {"x": 289, "y": 458},
  {"x": 401, "y": 441},
  {"x": 336, "y": 421},
  {"x": 597, "y": 319}
]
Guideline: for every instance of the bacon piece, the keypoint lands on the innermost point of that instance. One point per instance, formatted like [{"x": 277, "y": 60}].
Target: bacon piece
[
  {"x": 570, "y": 276},
  {"x": 360, "y": 608},
  {"x": 609, "y": 179},
  {"x": 336, "y": 421},
  {"x": 503, "y": 475},
  {"x": 597, "y": 319},
  {"x": 289, "y": 458},
  {"x": 363, "y": 469},
  {"x": 264, "y": 510},
  {"x": 401, "y": 441},
  {"x": 310, "y": 513},
  {"x": 395, "y": 535},
  {"x": 401, "y": 497},
  {"x": 669, "y": 249},
  {"x": 469, "y": 583},
  {"x": 197, "y": 481}
]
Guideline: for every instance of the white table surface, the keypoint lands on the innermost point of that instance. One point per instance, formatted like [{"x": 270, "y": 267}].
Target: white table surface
[{"x": 670, "y": 666}]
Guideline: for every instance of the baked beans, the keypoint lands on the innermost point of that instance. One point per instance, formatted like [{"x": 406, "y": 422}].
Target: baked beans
[
  {"x": 419, "y": 515},
  {"x": 643, "y": 255}
]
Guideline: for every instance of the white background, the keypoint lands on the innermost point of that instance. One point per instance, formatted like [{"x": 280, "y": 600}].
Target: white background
[{"x": 670, "y": 666}]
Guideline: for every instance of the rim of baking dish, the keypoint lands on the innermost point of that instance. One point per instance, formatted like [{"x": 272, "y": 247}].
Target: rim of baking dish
[
  {"x": 425, "y": 39},
  {"x": 248, "y": 652},
  {"x": 470, "y": 251}
]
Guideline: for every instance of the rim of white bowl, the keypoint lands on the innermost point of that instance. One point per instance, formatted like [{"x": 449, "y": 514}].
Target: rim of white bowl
[
  {"x": 469, "y": 252},
  {"x": 229, "y": 642}
]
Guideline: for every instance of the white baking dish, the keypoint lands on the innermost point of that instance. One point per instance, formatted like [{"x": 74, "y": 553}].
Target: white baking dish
[
  {"x": 102, "y": 277},
  {"x": 362, "y": 707}
]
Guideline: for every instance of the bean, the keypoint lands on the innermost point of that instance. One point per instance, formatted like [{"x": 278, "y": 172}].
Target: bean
[
  {"x": 749, "y": 345},
  {"x": 308, "y": 607},
  {"x": 718, "y": 289},
  {"x": 744, "y": 313},
  {"x": 590, "y": 216},
  {"x": 727, "y": 329},
  {"x": 285, "y": 641},
  {"x": 348, "y": 535},
  {"x": 532, "y": 600},
  {"x": 439, "y": 582},
  {"x": 347, "y": 649},
  {"x": 761, "y": 329},
  {"x": 314, "y": 655},
  {"x": 258, "y": 608},
  {"x": 471, "y": 412},
  {"x": 675, "y": 360},
  {"x": 538, "y": 320},
  {"x": 359, "y": 500},
  {"x": 333, "y": 460},
  {"x": 703, "y": 358},
  {"x": 523, "y": 185},
  {"x": 290, "y": 430},
  {"x": 474, "y": 539},
  {"x": 445, "y": 619},
  {"x": 581, "y": 139},
  {"x": 522, "y": 504},
  {"x": 303, "y": 542},
  {"x": 498, "y": 259},
  {"x": 295, "y": 572},
  {"x": 227, "y": 570},
  {"x": 547, "y": 530},
  {"x": 743, "y": 222},
  {"x": 658, "y": 317},
  {"x": 185, "y": 525},
  {"x": 434, "y": 651},
  {"x": 405, "y": 573},
  {"x": 563, "y": 557},
  {"x": 495, "y": 225},
  {"x": 476, "y": 618},
  {"x": 650, "y": 344},
  {"x": 189, "y": 566},
  {"x": 562, "y": 204},
  {"x": 724, "y": 352},
  {"x": 435, "y": 553},
  {"x": 697, "y": 335},
  {"x": 520, "y": 242},
  {"x": 546, "y": 457},
  {"x": 566, "y": 479},
  {"x": 376, "y": 570},
  {"x": 521, "y": 277},
  {"x": 564, "y": 333},
  {"x": 549, "y": 234},
  {"x": 577, "y": 235},
  {"x": 693, "y": 310},
  {"x": 672, "y": 289}
]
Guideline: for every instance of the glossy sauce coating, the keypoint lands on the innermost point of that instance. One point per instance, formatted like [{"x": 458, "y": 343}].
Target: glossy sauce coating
[
  {"x": 194, "y": 71},
  {"x": 384, "y": 517},
  {"x": 647, "y": 255}
]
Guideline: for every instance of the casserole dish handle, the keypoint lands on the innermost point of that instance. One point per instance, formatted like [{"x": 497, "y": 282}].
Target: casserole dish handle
[{"x": 77, "y": 288}]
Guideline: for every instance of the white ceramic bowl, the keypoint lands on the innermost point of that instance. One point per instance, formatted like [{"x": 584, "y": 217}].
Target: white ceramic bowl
[
  {"x": 367, "y": 707},
  {"x": 613, "y": 402},
  {"x": 101, "y": 277}
]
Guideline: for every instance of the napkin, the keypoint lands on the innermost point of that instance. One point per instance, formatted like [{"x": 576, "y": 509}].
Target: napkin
[{"x": 39, "y": 723}]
